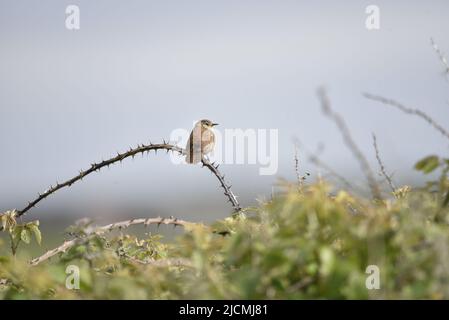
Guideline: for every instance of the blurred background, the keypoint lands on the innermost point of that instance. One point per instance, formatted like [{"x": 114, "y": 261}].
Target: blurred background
[{"x": 136, "y": 70}]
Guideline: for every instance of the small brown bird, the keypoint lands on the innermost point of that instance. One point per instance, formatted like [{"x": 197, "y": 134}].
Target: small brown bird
[{"x": 201, "y": 141}]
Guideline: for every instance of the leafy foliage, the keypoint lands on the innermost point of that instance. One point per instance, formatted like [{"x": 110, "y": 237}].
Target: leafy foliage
[
  {"x": 428, "y": 164},
  {"x": 19, "y": 232},
  {"x": 299, "y": 245},
  {"x": 440, "y": 186}
]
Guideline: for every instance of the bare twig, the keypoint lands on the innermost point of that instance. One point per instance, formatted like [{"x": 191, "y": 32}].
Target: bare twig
[
  {"x": 95, "y": 231},
  {"x": 381, "y": 165},
  {"x": 298, "y": 175},
  {"x": 313, "y": 158},
  {"x": 407, "y": 110},
  {"x": 441, "y": 57},
  {"x": 326, "y": 108},
  {"x": 299, "y": 178}
]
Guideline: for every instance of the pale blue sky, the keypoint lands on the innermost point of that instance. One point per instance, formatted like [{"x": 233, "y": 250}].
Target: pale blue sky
[{"x": 138, "y": 69}]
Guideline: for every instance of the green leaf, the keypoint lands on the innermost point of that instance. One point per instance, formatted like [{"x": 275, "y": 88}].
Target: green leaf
[
  {"x": 16, "y": 232},
  {"x": 428, "y": 164},
  {"x": 25, "y": 236},
  {"x": 37, "y": 233}
]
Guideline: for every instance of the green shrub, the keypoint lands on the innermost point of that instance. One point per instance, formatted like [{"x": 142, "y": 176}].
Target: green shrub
[{"x": 300, "y": 245}]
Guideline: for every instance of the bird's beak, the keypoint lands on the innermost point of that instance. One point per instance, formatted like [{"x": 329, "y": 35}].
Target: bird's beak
[{"x": 214, "y": 124}]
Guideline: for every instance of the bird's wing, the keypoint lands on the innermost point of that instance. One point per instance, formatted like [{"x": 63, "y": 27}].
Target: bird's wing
[
  {"x": 208, "y": 142},
  {"x": 193, "y": 147}
]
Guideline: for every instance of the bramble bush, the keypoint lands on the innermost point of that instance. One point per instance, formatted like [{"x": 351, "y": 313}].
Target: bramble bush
[{"x": 302, "y": 244}]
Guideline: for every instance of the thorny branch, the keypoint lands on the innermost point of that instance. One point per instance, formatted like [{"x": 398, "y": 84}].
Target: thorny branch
[
  {"x": 407, "y": 110},
  {"x": 327, "y": 110},
  {"x": 300, "y": 179},
  {"x": 381, "y": 165},
  {"x": 140, "y": 149},
  {"x": 95, "y": 231},
  {"x": 441, "y": 57},
  {"x": 298, "y": 175},
  {"x": 228, "y": 192}
]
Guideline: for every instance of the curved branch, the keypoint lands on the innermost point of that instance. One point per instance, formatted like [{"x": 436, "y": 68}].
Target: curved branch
[
  {"x": 441, "y": 57},
  {"x": 97, "y": 166},
  {"x": 61, "y": 249},
  {"x": 407, "y": 110},
  {"x": 119, "y": 158},
  {"x": 350, "y": 143},
  {"x": 227, "y": 188},
  {"x": 94, "y": 231}
]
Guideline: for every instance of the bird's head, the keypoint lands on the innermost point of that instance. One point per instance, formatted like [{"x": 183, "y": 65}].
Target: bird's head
[{"x": 207, "y": 124}]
